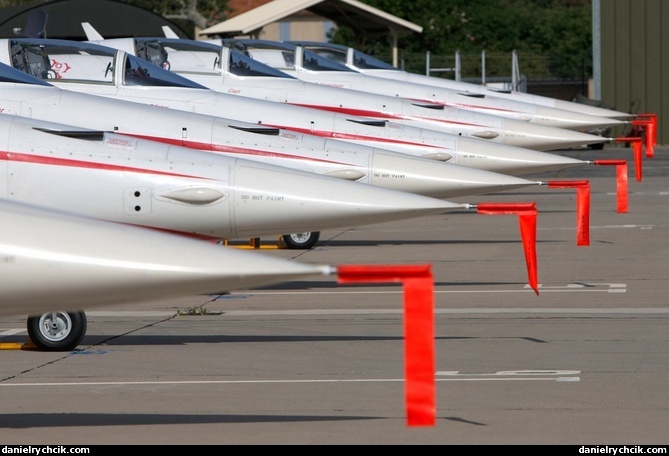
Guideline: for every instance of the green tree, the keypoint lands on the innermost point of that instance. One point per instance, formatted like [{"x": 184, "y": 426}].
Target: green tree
[
  {"x": 554, "y": 34},
  {"x": 201, "y": 13},
  {"x": 552, "y": 37}
]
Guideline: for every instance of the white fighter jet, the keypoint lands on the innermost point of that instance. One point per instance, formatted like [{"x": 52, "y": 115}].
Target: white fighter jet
[
  {"x": 90, "y": 68},
  {"x": 370, "y": 65},
  {"x": 189, "y": 192},
  {"x": 207, "y": 64},
  {"x": 53, "y": 258},
  {"x": 309, "y": 66}
]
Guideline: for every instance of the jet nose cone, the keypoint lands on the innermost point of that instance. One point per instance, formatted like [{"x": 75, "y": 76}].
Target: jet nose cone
[
  {"x": 278, "y": 202},
  {"x": 58, "y": 258},
  {"x": 572, "y": 120},
  {"x": 543, "y": 138},
  {"x": 438, "y": 179},
  {"x": 511, "y": 160},
  {"x": 592, "y": 110}
]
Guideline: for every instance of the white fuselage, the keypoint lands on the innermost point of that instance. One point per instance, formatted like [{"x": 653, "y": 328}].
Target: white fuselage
[{"x": 193, "y": 193}]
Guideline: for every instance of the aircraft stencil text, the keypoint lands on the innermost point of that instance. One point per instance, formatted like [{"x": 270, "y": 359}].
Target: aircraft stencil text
[{"x": 262, "y": 197}]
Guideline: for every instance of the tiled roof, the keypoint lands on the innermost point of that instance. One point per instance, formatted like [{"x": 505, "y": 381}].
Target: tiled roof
[{"x": 241, "y": 6}]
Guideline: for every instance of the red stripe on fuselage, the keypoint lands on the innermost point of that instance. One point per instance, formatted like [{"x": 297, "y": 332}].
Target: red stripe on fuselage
[
  {"x": 42, "y": 160},
  {"x": 380, "y": 115},
  {"x": 230, "y": 149}
]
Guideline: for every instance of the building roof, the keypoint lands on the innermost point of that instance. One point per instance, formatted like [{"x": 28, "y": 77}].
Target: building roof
[
  {"x": 238, "y": 7},
  {"x": 354, "y": 14}
]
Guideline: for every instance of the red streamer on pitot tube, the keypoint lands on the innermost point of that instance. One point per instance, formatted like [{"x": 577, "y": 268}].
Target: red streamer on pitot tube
[
  {"x": 527, "y": 218},
  {"x": 419, "y": 350},
  {"x": 648, "y": 127},
  {"x": 652, "y": 119},
  {"x": 621, "y": 182},
  {"x": 636, "y": 144},
  {"x": 582, "y": 208}
]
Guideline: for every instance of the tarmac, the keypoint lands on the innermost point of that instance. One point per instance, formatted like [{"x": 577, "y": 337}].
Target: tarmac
[{"x": 583, "y": 362}]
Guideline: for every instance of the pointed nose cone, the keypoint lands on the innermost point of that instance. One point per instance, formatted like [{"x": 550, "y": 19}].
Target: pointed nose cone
[
  {"x": 572, "y": 120},
  {"x": 437, "y": 179},
  {"x": 277, "y": 201},
  {"x": 59, "y": 263},
  {"x": 511, "y": 160},
  {"x": 592, "y": 110},
  {"x": 540, "y": 137}
]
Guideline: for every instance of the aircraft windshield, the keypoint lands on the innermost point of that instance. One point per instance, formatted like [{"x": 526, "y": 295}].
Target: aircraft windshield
[
  {"x": 182, "y": 56},
  {"x": 62, "y": 60},
  {"x": 74, "y": 61},
  {"x": 314, "y": 62},
  {"x": 280, "y": 59},
  {"x": 9, "y": 74},
  {"x": 339, "y": 53},
  {"x": 281, "y": 56},
  {"x": 140, "y": 72},
  {"x": 242, "y": 65},
  {"x": 367, "y": 62}
]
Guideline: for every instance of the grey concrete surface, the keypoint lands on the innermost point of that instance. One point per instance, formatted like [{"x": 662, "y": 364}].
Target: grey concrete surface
[{"x": 584, "y": 362}]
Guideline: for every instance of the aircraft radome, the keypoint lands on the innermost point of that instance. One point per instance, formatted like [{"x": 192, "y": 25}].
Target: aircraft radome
[
  {"x": 203, "y": 65},
  {"x": 57, "y": 259},
  {"x": 93, "y": 69},
  {"x": 312, "y": 67},
  {"x": 370, "y": 65}
]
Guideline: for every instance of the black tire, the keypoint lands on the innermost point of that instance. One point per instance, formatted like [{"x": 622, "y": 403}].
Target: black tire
[
  {"x": 303, "y": 241},
  {"x": 57, "y": 331}
]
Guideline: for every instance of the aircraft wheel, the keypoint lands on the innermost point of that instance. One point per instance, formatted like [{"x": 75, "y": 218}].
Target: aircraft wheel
[
  {"x": 301, "y": 240},
  {"x": 57, "y": 331}
]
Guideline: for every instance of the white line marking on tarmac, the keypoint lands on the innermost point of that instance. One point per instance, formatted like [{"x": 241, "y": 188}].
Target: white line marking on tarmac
[
  {"x": 569, "y": 288},
  {"x": 367, "y": 292},
  {"x": 399, "y": 311},
  {"x": 477, "y": 311},
  {"x": 602, "y": 227},
  {"x": 607, "y": 227},
  {"x": 516, "y": 372},
  {"x": 659, "y": 193},
  {"x": 520, "y": 310},
  {"x": 249, "y": 382},
  {"x": 131, "y": 313}
]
